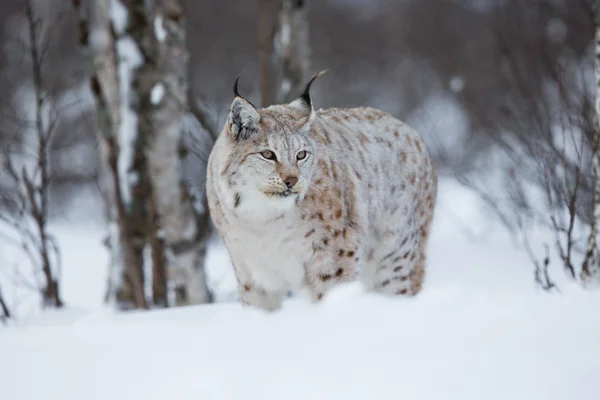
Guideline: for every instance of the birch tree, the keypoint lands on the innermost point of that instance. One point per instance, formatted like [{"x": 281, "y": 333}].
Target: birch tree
[
  {"x": 161, "y": 89},
  {"x": 99, "y": 26},
  {"x": 139, "y": 80},
  {"x": 292, "y": 49},
  {"x": 267, "y": 24}
]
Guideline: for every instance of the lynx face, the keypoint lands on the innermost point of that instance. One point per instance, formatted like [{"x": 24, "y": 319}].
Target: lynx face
[
  {"x": 279, "y": 161},
  {"x": 272, "y": 158}
]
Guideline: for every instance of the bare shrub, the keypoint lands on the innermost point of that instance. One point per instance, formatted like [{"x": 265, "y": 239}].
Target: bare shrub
[{"x": 542, "y": 131}]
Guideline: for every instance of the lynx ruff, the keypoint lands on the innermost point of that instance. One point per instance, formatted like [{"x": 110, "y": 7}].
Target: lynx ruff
[{"x": 306, "y": 199}]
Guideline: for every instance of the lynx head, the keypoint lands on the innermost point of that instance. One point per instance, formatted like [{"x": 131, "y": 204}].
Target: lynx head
[{"x": 271, "y": 154}]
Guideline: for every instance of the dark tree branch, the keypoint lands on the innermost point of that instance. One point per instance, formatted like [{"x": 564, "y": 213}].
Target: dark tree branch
[{"x": 4, "y": 308}]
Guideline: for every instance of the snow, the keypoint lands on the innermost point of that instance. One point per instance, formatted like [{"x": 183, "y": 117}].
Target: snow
[
  {"x": 84, "y": 269},
  {"x": 445, "y": 345},
  {"x": 130, "y": 58},
  {"x": 479, "y": 330},
  {"x": 285, "y": 33},
  {"x": 157, "y": 93},
  {"x": 457, "y": 84},
  {"x": 159, "y": 29},
  {"x": 286, "y": 85},
  {"x": 99, "y": 39},
  {"x": 119, "y": 16},
  {"x": 443, "y": 120}
]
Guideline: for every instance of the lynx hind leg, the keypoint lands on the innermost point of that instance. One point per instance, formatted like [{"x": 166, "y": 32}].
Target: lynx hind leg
[
  {"x": 396, "y": 263},
  {"x": 425, "y": 215},
  {"x": 418, "y": 272},
  {"x": 398, "y": 267}
]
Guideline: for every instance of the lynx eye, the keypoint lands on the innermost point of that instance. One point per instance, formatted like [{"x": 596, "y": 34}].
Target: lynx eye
[
  {"x": 301, "y": 155},
  {"x": 268, "y": 154}
]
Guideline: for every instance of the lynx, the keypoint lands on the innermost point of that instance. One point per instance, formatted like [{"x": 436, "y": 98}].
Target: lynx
[{"x": 306, "y": 199}]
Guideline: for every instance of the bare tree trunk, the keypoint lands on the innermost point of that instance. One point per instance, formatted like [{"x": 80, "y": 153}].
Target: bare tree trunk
[
  {"x": 126, "y": 221},
  {"x": 591, "y": 265},
  {"x": 143, "y": 108},
  {"x": 292, "y": 49},
  {"x": 266, "y": 32},
  {"x": 186, "y": 228},
  {"x": 161, "y": 86}
]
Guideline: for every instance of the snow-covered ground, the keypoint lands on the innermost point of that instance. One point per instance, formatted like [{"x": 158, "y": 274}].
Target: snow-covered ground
[
  {"x": 445, "y": 345},
  {"x": 479, "y": 330}
]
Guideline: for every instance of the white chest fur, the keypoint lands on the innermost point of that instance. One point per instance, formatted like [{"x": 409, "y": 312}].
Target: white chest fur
[
  {"x": 265, "y": 245},
  {"x": 274, "y": 253}
]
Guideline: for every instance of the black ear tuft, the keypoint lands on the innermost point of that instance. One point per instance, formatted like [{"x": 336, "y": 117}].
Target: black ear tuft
[
  {"x": 306, "y": 94},
  {"x": 236, "y": 93}
]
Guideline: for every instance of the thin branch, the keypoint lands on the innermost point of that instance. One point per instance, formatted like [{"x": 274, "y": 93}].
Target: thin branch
[
  {"x": 201, "y": 114},
  {"x": 4, "y": 308}
]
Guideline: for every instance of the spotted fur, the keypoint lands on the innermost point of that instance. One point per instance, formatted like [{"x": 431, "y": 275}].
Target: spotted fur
[{"x": 361, "y": 208}]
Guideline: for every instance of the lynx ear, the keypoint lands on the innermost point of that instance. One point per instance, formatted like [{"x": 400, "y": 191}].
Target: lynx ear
[
  {"x": 304, "y": 102},
  {"x": 243, "y": 118}
]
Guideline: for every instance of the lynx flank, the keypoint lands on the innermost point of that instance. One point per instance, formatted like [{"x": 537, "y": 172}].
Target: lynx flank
[{"x": 304, "y": 199}]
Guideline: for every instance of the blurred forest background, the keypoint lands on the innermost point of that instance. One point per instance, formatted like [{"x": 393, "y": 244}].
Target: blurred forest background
[{"x": 110, "y": 108}]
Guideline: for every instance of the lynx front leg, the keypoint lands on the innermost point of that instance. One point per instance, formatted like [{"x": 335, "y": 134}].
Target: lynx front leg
[
  {"x": 253, "y": 295},
  {"x": 330, "y": 268}
]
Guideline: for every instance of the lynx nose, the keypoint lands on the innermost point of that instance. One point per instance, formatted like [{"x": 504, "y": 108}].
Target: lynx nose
[{"x": 290, "y": 181}]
